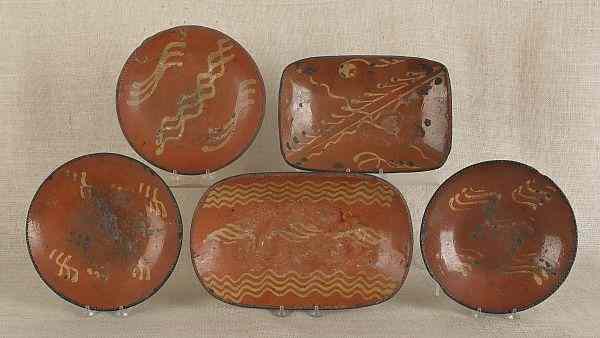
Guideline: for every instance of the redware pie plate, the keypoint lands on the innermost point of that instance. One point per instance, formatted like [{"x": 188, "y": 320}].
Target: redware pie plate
[
  {"x": 104, "y": 232},
  {"x": 190, "y": 99},
  {"x": 302, "y": 240},
  {"x": 499, "y": 237}
]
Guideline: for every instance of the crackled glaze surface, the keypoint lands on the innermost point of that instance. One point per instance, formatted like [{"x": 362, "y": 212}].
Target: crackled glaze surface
[
  {"x": 365, "y": 113},
  {"x": 499, "y": 236},
  {"x": 190, "y": 99},
  {"x": 104, "y": 231},
  {"x": 300, "y": 240}
]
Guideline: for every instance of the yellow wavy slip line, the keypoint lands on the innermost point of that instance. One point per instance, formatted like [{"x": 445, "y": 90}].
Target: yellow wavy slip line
[
  {"x": 457, "y": 205},
  {"x": 293, "y": 236},
  {"x": 367, "y": 156},
  {"x": 324, "y": 284},
  {"x": 313, "y": 190},
  {"x": 205, "y": 90},
  {"x": 271, "y": 195},
  {"x": 382, "y": 62},
  {"x": 366, "y": 235},
  {"x": 532, "y": 197},
  {"x": 526, "y": 203},
  {"x": 307, "y": 288},
  {"x": 297, "y": 227},
  {"x": 234, "y": 232},
  {"x": 367, "y": 116},
  {"x": 309, "y": 184},
  {"x": 527, "y": 195},
  {"x": 243, "y": 102},
  {"x": 297, "y": 275},
  {"x": 317, "y": 282},
  {"x": 420, "y": 151},
  {"x": 328, "y": 90},
  {"x": 299, "y": 189},
  {"x": 349, "y": 201},
  {"x": 290, "y": 192},
  {"x": 467, "y": 198},
  {"x": 477, "y": 194},
  {"x": 228, "y": 234},
  {"x": 367, "y": 295},
  {"x": 334, "y": 140},
  {"x": 142, "y": 90}
]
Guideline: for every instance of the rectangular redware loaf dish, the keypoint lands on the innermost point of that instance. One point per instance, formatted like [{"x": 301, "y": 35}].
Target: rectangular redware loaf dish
[
  {"x": 365, "y": 114},
  {"x": 302, "y": 240}
]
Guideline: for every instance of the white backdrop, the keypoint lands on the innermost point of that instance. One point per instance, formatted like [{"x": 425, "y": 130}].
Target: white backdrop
[{"x": 526, "y": 86}]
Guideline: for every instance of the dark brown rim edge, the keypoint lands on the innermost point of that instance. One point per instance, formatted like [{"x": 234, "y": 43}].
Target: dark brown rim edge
[
  {"x": 86, "y": 306},
  {"x": 423, "y": 235},
  {"x": 242, "y": 151},
  {"x": 280, "y": 173},
  {"x": 448, "y": 138}
]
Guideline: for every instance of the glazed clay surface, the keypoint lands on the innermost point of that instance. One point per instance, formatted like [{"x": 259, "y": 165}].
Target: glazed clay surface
[
  {"x": 299, "y": 240},
  {"x": 365, "y": 113},
  {"x": 499, "y": 236},
  {"x": 104, "y": 231},
  {"x": 190, "y": 99}
]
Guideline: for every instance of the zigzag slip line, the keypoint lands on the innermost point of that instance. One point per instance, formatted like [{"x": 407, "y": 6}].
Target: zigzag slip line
[
  {"x": 286, "y": 283},
  {"x": 286, "y": 196},
  {"x": 218, "y": 204},
  {"x": 371, "y": 296},
  {"x": 299, "y": 276},
  {"x": 311, "y": 288}
]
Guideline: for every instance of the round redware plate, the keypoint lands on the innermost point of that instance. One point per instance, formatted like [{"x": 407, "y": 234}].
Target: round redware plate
[
  {"x": 499, "y": 237},
  {"x": 104, "y": 231},
  {"x": 190, "y": 99}
]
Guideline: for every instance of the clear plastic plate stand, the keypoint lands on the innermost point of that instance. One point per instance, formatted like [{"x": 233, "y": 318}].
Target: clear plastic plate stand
[
  {"x": 175, "y": 180},
  {"x": 281, "y": 312},
  {"x": 90, "y": 312},
  {"x": 513, "y": 315},
  {"x": 120, "y": 313},
  {"x": 381, "y": 174},
  {"x": 315, "y": 312},
  {"x": 477, "y": 314}
]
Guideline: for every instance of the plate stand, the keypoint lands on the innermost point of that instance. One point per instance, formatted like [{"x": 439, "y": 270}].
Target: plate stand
[
  {"x": 175, "y": 180},
  {"x": 315, "y": 312},
  {"x": 478, "y": 314},
  {"x": 120, "y": 313},
  {"x": 282, "y": 312}
]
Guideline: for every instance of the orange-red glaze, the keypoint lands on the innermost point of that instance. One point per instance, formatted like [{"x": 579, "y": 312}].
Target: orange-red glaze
[
  {"x": 365, "y": 113},
  {"x": 302, "y": 240},
  {"x": 499, "y": 236},
  {"x": 104, "y": 231},
  {"x": 190, "y": 99}
]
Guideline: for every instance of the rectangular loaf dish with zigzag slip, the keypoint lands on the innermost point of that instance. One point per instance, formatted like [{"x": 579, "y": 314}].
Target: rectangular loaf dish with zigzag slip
[{"x": 300, "y": 240}]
